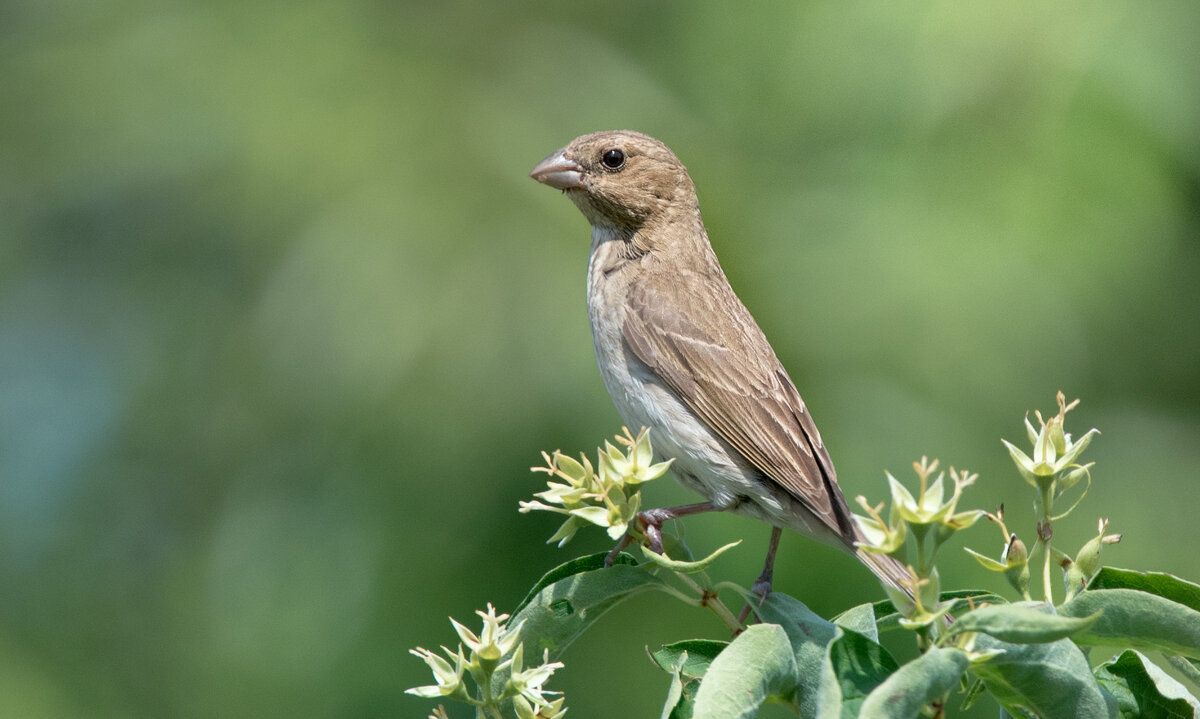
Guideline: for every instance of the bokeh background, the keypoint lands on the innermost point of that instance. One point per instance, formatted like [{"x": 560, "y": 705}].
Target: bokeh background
[{"x": 284, "y": 323}]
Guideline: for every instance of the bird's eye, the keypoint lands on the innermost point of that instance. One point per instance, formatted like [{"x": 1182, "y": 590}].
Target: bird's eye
[{"x": 613, "y": 159}]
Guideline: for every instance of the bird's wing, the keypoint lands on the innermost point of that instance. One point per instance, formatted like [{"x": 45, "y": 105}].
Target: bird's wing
[{"x": 730, "y": 377}]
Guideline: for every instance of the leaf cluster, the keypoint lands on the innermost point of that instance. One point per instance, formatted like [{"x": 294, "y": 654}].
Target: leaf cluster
[{"x": 1031, "y": 658}]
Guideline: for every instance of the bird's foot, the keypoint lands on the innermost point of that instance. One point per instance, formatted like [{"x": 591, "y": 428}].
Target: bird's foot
[
  {"x": 760, "y": 590},
  {"x": 612, "y": 556},
  {"x": 649, "y": 533},
  {"x": 762, "y": 586},
  {"x": 649, "y": 524}
]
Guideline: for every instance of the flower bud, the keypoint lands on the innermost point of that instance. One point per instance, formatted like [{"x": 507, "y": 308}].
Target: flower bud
[
  {"x": 1016, "y": 562},
  {"x": 1088, "y": 559}
]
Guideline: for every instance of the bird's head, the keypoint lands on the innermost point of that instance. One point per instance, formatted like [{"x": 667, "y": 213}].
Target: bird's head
[{"x": 620, "y": 180}]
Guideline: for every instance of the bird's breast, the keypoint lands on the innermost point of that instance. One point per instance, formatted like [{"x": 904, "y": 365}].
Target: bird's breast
[
  {"x": 607, "y": 288},
  {"x": 703, "y": 462}
]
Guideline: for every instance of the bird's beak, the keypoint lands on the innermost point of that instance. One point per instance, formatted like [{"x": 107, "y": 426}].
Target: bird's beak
[{"x": 559, "y": 172}]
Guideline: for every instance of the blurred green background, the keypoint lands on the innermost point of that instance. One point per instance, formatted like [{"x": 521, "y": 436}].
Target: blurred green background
[{"x": 284, "y": 323}]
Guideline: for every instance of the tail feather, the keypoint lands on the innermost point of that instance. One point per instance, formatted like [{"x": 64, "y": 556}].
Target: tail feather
[{"x": 888, "y": 569}]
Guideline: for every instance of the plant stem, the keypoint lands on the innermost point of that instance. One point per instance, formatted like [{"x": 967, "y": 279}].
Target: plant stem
[
  {"x": 718, "y": 607},
  {"x": 1045, "y": 532},
  {"x": 712, "y": 601},
  {"x": 922, "y": 569},
  {"x": 1046, "y": 574}
]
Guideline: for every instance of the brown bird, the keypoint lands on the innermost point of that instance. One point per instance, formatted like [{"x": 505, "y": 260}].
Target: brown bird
[{"x": 680, "y": 353}]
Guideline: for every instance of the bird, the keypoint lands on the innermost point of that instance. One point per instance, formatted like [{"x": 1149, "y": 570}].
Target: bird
[{"x": 679, "y": 353}]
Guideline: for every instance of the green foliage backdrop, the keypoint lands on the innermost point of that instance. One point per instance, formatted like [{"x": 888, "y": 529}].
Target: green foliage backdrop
[{"x": 284, "y": 323}]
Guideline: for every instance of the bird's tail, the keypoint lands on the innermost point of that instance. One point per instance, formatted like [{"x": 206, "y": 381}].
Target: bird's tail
[
  {"x": 892, "y": 573},
  {"x": 888, "y": 569}
]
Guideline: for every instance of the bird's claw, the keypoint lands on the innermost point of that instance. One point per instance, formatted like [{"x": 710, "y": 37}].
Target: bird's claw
[
  {"x": 612, "y": 556},
  {"x": 652, "y": 528},
  {"x": 762, "y": 589},
  {"x": 650, "y": 522}
]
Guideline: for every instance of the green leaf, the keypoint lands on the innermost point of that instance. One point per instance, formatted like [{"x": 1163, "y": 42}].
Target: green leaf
[
  {"x": 972, "y": 693},
  {"x": 570, "y": 598},
  {"x": 1145, "y": 691},
  {"x": 576, "y": 471},
  {"x": 678, "y": 704},
  {"x": 987, "y": 562},
  {"x": 860, "y": 666},
  {"x": 688, "y": 661},
  {"x": 578, "y": 565},
  {"x": 1136, "y": 619},
  {"x": 756, "y": 665},
  {"x": 1023, "y": 623},
  {"x": 912, "y": 686},
  {"x": 674, "y": 707},
  {"x": 699, "y": 655},
  {"x": 838, "y": 666},
  {"x": 1049, "y": 680},
  {"x": 1044, "y": 451},
  {"x": 1022, "y": 460},
  {"x": 685, "y": 567},
  {"x": 566, "y": 531},
  {"x": 859, "y": 619},
  {"x": 1164, "y": 585},
  {"x": 819, "y": 695},
  {"x": 562, "y": 608},
  {"x": 1077, "y": 448},
  {"x": 1188, "y": 668},
  {"x": 595, "y": 515},
  {"x": 886, "y": 616}
]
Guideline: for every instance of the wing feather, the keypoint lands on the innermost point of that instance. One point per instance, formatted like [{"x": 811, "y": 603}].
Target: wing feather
[{"x": 727, "y": 373}]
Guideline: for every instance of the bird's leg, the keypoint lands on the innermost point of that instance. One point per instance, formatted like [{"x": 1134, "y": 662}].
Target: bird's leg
[
  {"x": 651, "y": 522},
  {"x": 612, "y": 556},
  {"x": 762, "y": 586}
]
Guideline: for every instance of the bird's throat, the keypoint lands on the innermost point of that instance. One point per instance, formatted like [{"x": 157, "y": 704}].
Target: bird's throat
[{"x": 611, "y": 250}]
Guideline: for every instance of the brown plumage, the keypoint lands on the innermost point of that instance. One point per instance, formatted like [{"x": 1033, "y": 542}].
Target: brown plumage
[{"x": 680, "y": 353}]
